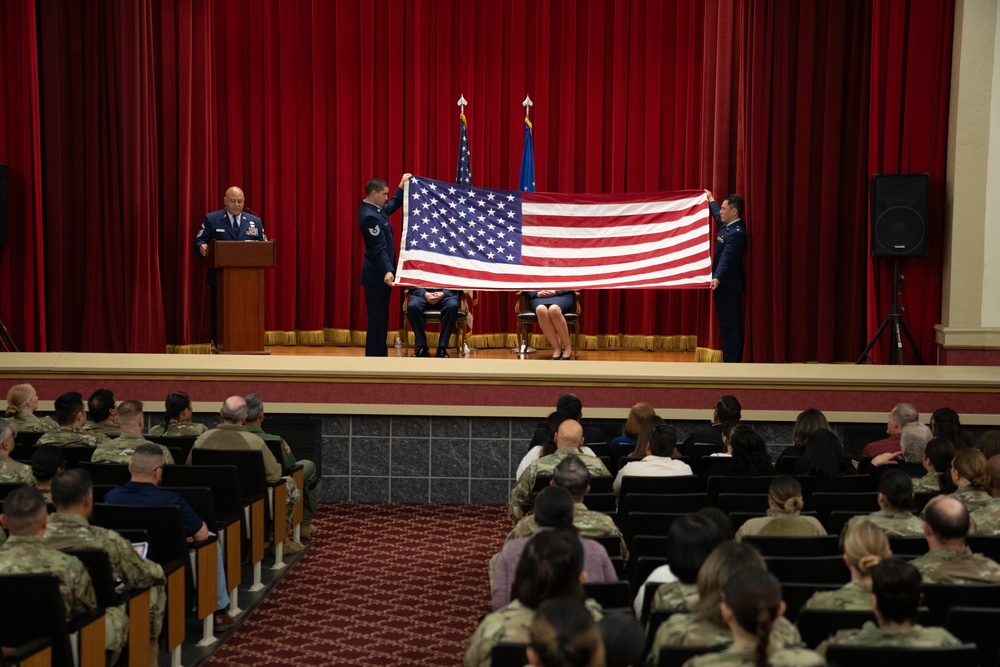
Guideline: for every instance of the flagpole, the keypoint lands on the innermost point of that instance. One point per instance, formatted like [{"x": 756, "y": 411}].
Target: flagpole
[
  {"x": 526, "y": 183},
  {"x": 464, "y": 177}
]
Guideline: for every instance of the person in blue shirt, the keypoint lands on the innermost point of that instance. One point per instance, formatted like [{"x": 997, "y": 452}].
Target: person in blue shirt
[{"x": 728, "y": 282}]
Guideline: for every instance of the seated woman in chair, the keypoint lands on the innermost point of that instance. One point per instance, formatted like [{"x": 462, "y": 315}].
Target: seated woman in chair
[{"x": 549, "y": 306}]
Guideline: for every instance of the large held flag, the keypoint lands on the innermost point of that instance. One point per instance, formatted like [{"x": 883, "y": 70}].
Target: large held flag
[
  {"x": 474, "y": 238},
  {"x": 527, "y": 182}
]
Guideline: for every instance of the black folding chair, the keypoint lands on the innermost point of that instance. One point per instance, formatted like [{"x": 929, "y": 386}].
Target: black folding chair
[
  {"x": 816, "y": 625},
  {"x": 811, "y": 570},
  {"x": 845, "y": 655},
  {"x": 823, "y": 545}
]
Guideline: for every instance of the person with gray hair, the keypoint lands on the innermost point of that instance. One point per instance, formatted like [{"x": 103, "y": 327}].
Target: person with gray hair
[
  {"x": 913, "y": 442},
  {"x": 310, "y": 481},
  {"x": 11, "y": 471},
  {"x": 901, "y": 415},
  {"x": 232, "y": 434}
]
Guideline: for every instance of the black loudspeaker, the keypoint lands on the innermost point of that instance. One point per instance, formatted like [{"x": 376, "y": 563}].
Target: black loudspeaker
[
  {"x": 899, "y": 215},
  {"x": 3, "y": 204}
]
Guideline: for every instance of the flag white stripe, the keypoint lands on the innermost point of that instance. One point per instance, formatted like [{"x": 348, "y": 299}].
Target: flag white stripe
[
  {"x": 445, "y": 279},
  {"x": 620, "y": 251},
  {"x": 610, "y": 233},
  {"x": 616, "y": 209}
]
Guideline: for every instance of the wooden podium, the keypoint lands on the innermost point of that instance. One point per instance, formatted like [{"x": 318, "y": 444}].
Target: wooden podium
[{"x": 239, "y": 269}]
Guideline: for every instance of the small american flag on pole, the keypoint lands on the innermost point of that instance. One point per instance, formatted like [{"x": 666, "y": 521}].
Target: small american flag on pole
[{"x": 476, "y": 238}]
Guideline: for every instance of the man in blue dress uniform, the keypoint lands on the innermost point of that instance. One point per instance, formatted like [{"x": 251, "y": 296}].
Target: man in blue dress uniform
[{"x": 728, "y": 282}]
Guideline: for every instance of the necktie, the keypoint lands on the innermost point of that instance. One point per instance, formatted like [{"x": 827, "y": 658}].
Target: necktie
[{"x": 236, "y": 226}]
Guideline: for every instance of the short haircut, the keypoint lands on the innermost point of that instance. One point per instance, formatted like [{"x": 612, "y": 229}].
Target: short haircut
[
  {"x": 948, "y": 518},
  {"x": 904, "y": 414},
  {"x": 146, "y": 459},
  {"x": 5, "y": 430},
  {"x": 736, "y": 202},
  {"x": 45, "y": 462},
  {"x": 571, "y": 474},
  {"x": 375, "y": 185},
  {"x": 721, "y": 521},
  {"x": 176, "y": 403},
  {"x": 129, "y": 412},
  {"x": 554, "y": 508},
  {"x": 255, "y": 407},
  {"x": 233, "y": 412},
  {"x": 662, "y": 440},
  {"x": 913, "y": 440},
  {"x": 552, "y": 424},
  {"x": 571, "y": 405},
  {"x": 691, "y": 538},
  {"x": 897, "y": 487},
  {"x": 940, "y": 451},
  {"x": 100, "y": 404},
  {"x": 624, "y": 640},
  {"x": 897, "y": 587},
  {"x": 24, "y": 510},
  {"x": 70, "y": 488},
  {"x": 728, "y": 409},
  {"x": 68, "y": 406}
]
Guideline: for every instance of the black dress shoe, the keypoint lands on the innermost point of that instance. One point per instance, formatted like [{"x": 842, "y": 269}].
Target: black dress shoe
[
  {"x": 442, "y": 353},
  {"x": 422, "y": 352}
]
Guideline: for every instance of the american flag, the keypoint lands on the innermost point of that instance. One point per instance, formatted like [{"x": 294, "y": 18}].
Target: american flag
[
  {"x": 475, "y": 238},
  {"x": 464, "y": 172}
]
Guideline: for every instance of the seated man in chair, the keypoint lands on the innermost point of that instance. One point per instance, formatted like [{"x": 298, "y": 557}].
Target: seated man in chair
[{"x": 421, "y": 299}]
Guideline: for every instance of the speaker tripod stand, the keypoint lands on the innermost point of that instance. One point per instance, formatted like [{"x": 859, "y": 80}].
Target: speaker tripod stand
[
  {"x": 6, "y": 340},
  {"x": 898, "y": 327}
]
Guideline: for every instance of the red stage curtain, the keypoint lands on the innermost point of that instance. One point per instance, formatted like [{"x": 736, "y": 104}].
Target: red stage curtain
[
  {"x": 151, "y": 110},
  {"x": 23, "y": 293}
]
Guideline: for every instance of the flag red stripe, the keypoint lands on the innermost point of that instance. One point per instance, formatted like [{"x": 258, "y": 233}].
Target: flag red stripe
[
  {"x": 528, "y": 278},
  {"x": 612, "y": 221}
]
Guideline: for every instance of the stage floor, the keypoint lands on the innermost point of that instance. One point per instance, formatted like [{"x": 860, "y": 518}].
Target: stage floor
[{"x": 657, "y": 356}]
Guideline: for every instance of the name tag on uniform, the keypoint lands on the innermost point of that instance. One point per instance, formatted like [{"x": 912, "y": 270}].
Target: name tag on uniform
[{"x": 220, "y": 231}]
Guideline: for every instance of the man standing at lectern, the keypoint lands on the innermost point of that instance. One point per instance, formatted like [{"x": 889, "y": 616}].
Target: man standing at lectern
[
  {"x": 728, "y": 282},
  {"x": 379, "y": 266},
  {"x": 229, "y": 224}
]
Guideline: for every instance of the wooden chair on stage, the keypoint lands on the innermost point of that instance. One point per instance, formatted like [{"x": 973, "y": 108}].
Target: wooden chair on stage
[
  {"x": 527, "y": 317},
  {"x": 432, "y": 315}
]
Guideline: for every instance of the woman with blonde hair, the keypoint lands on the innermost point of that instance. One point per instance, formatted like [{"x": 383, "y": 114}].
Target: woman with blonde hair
[
  {"x": 968, "y": 472},
  {"x": 784, "y": 500},
  {"x": 22, "y": 401},
  {"x": 705, "y": 625},
  {"x": 564, "y": 634},
  {"x": 865, "y": 546}
]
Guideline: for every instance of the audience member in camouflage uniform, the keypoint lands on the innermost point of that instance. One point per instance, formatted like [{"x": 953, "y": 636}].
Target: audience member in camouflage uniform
[
  {"x": 310, "y": 481},
  {"x": 12, "y": 472},
  {"x": 232, "y": 434},
  {"x": 896, "y": 586},
  {"x": 705, "y": 625},
  {"x": 571, "y": 474},
  {"x": 22, "y": 401},
  {"x": 177, "y": 420},
  {"x": 70, "y": 417},
  {"x": 25, "y": 516},
  {"x": 865, "y": 546},
  {"x": 949, "y": 561},
  {"x": 895, "y": 495},
  {"x": 101, "y": 406},
  {"x": 752, "y": 607},
  {"x": 937, "y": 459},
  {"x": 986, "y": 520},
  {"x": 46, "y": 463},
  {"x": 968, "y": 472},
  {"x": 568, "y": 442},
  {"x": 690, "y": 541},
  {"x": 72, "y": 492},
  {"x": 784, "y": 501},
  {"x": 120, "y": 450},
  {"x": 550, "y": 567}
]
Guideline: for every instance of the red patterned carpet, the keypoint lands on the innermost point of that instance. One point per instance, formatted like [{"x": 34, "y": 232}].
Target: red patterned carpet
[{"x": 385, "y": 584}]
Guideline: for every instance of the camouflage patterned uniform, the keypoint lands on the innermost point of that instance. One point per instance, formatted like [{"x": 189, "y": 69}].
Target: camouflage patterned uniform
[
  {"x": 587, "y": 522},
  {"x": 12, "y": 472},
  {"x": 233, "y": 437},
  {"x": 107, "y": 427},
  {"x": 944, "y": 566},
  {"x": 70, "y": 436},
  {"x": 509, "y": 624},
  {"x": 689, "y": 630},
  {"x": 310, "y": 494},
  {"x": 986, "y": 520},
  {"x": 178, "y": 429},
  {"x": 781, "y": 523},
  {"x": 895, "y": 524},
  {"x": 871, "y": 635},
  {"x": 675, "y": 596},
  {"x": 29, "y": 555},
  {"x": 71, "y": 531},
  {"x": 521, "y": 493},
  {"x": 929, "y": 483},
  {"x": 850, "y": 597},
  {"x": 972, "y": 497},
  {"x": 121, "y": 449},
  {"x": 743, "y": 654},
  {"x": 29, "y": 423}
]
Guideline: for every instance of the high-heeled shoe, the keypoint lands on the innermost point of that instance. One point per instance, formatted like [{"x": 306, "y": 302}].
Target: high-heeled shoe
[
  {"x": 566, "y": 357},
  {"x": 556, "y": 355}
]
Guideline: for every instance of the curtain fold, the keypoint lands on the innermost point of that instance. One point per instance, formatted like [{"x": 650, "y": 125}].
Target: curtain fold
[{"x": 150, "y": 110}]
